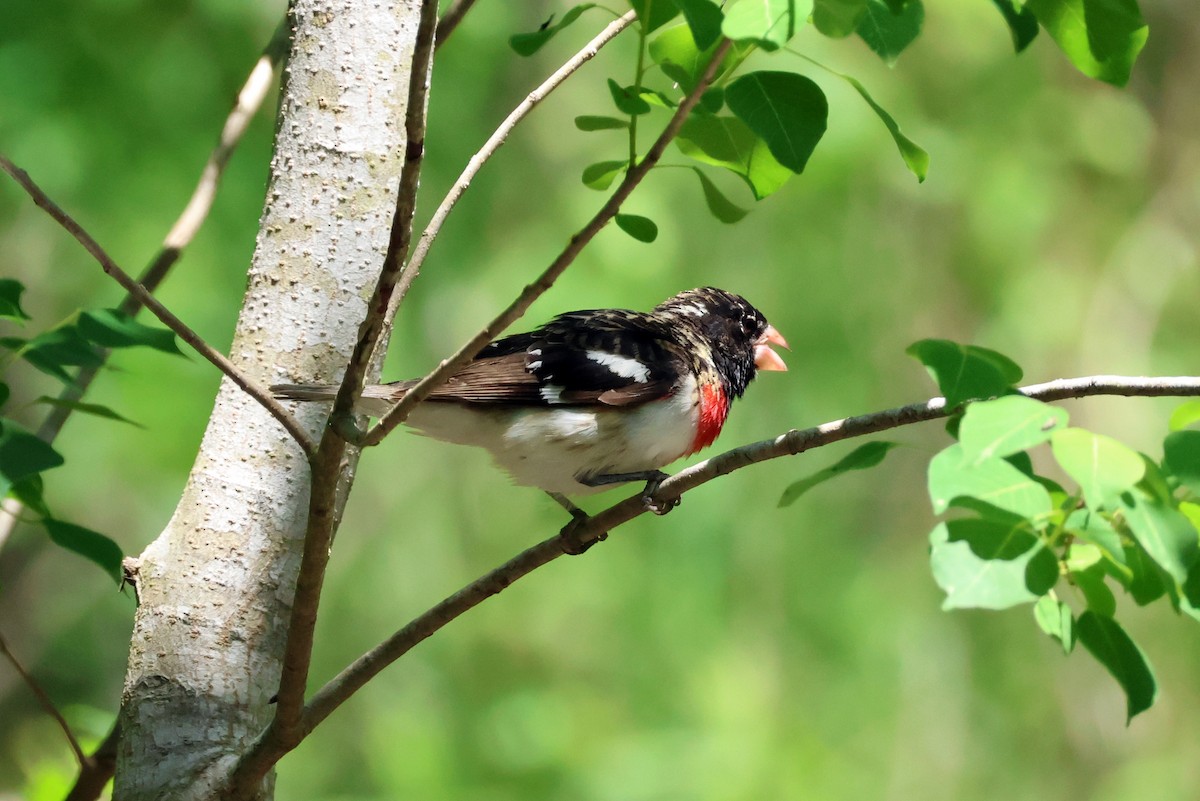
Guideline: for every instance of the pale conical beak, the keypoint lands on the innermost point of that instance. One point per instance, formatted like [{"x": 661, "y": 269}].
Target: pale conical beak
[{"x": 764, "y": 357}]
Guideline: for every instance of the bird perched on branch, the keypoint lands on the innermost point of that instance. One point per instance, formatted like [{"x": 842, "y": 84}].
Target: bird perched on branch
[{"x": 597, "y": 397}]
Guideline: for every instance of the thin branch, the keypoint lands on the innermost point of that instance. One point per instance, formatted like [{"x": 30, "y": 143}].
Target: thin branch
[
  {"x": 45, "y": 701},
  {"x": 494, "y": 142},
  {"x": 400, "y": 237},
  {"x": 98, "y": 769},
  {"x": 157, "y": 309},
  {"x": 449, "y": 21},
  {"x": 249, "y": 100},
  {"x": 532, "y": 292},
  {"x": 593, "y": 528}
]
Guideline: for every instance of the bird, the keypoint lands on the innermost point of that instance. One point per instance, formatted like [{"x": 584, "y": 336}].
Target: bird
[{"x": 594, "y": 397}]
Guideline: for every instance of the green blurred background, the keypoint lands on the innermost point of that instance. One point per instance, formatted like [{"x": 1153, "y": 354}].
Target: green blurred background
[{"x": 731, "y": 650}]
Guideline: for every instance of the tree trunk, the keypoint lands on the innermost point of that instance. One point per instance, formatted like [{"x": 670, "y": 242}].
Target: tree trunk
[{"x": 215, "y": 587}]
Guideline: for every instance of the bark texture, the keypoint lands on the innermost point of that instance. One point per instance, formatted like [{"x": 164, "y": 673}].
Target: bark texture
[{"x": 216, "y": 585}]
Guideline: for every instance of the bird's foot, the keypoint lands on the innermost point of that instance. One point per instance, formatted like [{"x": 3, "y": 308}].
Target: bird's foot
[
  {"x": 656, "y": 506},
  {"x": 572, "y": 538}
]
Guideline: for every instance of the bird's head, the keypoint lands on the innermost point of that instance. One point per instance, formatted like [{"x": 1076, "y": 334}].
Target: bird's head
[{"x": 736, "y": 334}]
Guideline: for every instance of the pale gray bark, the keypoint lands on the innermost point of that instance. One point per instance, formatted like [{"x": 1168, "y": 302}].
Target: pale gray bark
[{"x": 215, "y": 586}]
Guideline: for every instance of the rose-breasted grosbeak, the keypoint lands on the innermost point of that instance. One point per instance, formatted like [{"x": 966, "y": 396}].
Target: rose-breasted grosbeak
[{"x": 595, "y": 397}]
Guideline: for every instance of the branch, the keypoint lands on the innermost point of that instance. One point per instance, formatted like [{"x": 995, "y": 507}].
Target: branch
[
  {"x": 595, "y": 527},
  {"x": 449, "y": 21},
  {"x": 342, "y": 416},
  {"x": 535, "y": 290},
  {"x": 98, "y": 769},
  {"x": 425, "y": 242},
  {"x": 157, "y": 309},
  {"x": 249, "y": 100},
  {"x": 45, "y": 701}
]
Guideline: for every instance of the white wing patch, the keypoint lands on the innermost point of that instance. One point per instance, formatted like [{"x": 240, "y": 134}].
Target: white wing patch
[
  {"x": 621, "y": 365},
  {"x": 551, "y": 393}
]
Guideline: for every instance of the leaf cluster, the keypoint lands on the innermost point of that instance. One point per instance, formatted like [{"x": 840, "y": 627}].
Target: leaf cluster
[
  {"x": 1109, "y": 520},
  {"x": 78, "y": 342}
]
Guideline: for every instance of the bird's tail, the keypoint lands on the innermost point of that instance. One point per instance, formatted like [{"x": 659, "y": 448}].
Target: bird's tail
[{"x": 376, "y": 399}]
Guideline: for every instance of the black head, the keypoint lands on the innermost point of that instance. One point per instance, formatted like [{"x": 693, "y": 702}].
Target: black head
[{"x": 736, "y": 334}]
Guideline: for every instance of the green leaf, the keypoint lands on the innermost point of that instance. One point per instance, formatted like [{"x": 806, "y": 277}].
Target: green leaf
[
  {"x": 727, "y": 142},
  {"x": 966, "y": 372},
  {"x": 1181, "y": 458},
  {"x": 642, "y": 229},
  {"x": 786, "y": 110},
  {"x": 1103, "y": 467},
  {"x": 679, "y": 57},
  {"x": 526, "y": 44},
  {"x": 1095, "y": 591},
  {"x": 87, "y": 543},
  {"x": 87, "y": 408},
  {"x": 704, "y": 17},
  {"x": 1007, "y": 425},
  {"x": 601, "y": 174},
  {"x": 653, "y": 14},
  {"x": 29, "y": 492},
  {"x": 589, "y": 122},
  {"x": 10, "y": 299},
  {"x": 768, "y": 23},
  {"x": 1146, "y": 585},
  {"x": 1022, "y": 23},
  {"x": 626, "y": 100},
  {"x": 1016, "y": 567},
  {"x": 22, "y": 455},
  {"x": 915, "y": 157},
  {"x": 888, "y": 33},
  {"x": 3, "y": 393},
  {"x": 1112, "y": 647},
  {"x": 1092, "y": 527},
  {"x": 64, "y": 346},
  {"x": 112, "y": 328},
  {"x": 1165, "y": 533},
  {"x": 861, "y": 458},
  {"x": 1186, "y": 414},
  {"x": 719, "y": 205},
  {"x": 713, "y": 100},
  {"x": 1102, "y": 38},
  {"x": 994, "y": 482},
  {"x": 838, "y": 18},
  {"x": 1054, "y": 618}
]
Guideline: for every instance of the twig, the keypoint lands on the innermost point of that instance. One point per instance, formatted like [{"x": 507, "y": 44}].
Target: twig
[
  {"x": 249, "y": 100},
  {"x": 157, "y": 309},
  {"x": 363, "y": 669},
  {"x": 449, "y": 21},
  {"x": 45, "y": 701},
  {"x": 493, "y": 144},
  {"x": 535, "y": 290},
  {"x": 98, "y": 769},
  {"x": 400, "y": 237}
]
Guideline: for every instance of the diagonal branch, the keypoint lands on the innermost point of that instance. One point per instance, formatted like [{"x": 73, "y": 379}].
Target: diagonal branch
[
  {"x": 400, "y": 237},
  {"x": 594, "y": 528},
  {"x": 449, "y": 21},
  {"x": 493, "y": 144},
  {"x": 45, "y": 702},
  {"x": 156, "y": 308},
  {"x": 249, "y": 100},
  {"x": 535, "y": 290}
]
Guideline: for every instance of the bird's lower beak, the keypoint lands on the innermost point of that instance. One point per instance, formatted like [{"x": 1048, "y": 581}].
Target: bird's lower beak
[{"x": 764, "y": 357}]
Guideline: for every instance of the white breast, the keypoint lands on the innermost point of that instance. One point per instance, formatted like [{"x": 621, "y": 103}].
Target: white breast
[{"x": 551, "y": 447}]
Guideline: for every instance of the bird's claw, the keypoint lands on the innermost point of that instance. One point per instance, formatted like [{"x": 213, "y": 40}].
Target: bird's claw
[
  {"x": 656, "y": 506},
  {"x": 571, "y": 539}
]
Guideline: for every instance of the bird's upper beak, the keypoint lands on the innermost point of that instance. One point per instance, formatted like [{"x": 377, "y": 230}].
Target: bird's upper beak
[{"x": 764, "y": 357}]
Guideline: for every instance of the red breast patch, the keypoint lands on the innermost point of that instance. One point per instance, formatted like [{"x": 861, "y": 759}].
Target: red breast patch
[{"x": 714, "y": 408}]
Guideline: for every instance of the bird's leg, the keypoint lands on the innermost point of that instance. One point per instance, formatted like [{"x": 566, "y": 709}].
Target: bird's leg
[
  {"x": 572, "y": 544},
  {"x": 652, "y": 478}
]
